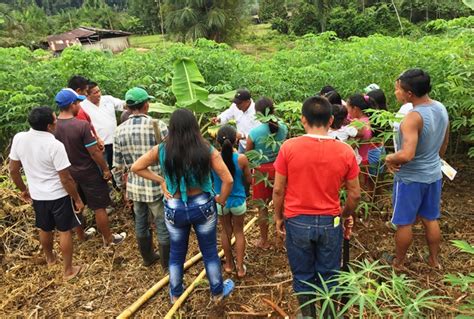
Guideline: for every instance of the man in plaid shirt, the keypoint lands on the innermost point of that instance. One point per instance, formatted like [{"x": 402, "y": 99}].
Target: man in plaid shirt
[{"x": 133, "y": 138}]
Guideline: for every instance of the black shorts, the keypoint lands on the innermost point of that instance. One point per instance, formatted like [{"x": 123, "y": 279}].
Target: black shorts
[
  {"x": 58, "y": 213},
  {"x": 94, "y": 193}
]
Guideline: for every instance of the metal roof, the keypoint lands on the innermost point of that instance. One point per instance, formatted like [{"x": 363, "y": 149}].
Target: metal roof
[{"x": 59, "y": 42}]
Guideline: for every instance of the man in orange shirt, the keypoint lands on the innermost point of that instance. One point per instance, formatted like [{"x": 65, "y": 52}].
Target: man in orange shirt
[{"x": 310, "y": 172}]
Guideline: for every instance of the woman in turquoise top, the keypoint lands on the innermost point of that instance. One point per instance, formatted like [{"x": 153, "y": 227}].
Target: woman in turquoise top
[
  {"x": 186, "y": 159},
  {"x": 232, "y": 215},
  {"x": 266, "y": 138}
]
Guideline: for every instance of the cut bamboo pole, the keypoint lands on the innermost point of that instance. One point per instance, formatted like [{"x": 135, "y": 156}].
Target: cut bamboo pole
[
  {"x": 196, "y": 281},
  {"x": 165, "y": 280}
]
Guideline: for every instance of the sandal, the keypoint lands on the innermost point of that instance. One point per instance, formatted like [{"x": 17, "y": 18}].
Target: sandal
[
  {"x": 228, "y": 288},
  {"x": 389, "y": 259}
]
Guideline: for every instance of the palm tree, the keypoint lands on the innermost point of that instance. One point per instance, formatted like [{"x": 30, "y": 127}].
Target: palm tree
[{"x": 193, "y": 19}]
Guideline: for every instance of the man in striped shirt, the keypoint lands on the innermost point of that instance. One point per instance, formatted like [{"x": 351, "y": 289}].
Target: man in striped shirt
[{"x": 133, "y": 138}]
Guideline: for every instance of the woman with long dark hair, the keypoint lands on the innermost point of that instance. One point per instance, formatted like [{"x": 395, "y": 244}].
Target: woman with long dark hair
[
  {"x": 266, "y": 138},
  {"x": 186, "y": 159},
  {"x": 232, "y": 215}
]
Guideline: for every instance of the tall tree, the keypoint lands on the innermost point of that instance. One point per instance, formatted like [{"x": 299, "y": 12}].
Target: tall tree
[
  {"x": 148, "y": 11},
  {"x": 192, "y": 19}
]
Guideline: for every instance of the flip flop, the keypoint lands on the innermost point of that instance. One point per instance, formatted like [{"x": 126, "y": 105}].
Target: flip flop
[
  {"x": 245, "y": 272},
  {"x": 260, "y": 246},
  {"x": 388, "y": 259},
  {"x": 81, "y": 269}
]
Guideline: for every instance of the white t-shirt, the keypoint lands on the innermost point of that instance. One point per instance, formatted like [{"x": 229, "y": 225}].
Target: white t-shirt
[
  {"x": 245, "y": 121},
  {"x": 41, "y": 156},
  {"x": 343, "y": 133},
  {"x": 103, "y": 116},
  {"x": 404, "y": 110}
]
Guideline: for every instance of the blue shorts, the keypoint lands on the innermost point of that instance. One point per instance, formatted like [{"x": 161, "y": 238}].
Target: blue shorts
[{"x": 415, "y": 199}]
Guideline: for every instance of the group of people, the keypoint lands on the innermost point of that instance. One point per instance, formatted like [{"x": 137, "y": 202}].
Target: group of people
[{"x": 179, "y": 178}]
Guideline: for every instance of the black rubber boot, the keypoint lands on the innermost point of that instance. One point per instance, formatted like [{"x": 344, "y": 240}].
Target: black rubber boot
[
  {"x": 145, "y": 244},
  {"x": 165, "y": 256},
  {"x": 308, "y": 311}
]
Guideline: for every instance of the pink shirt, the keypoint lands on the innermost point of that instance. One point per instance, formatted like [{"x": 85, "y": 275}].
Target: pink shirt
[{"x": 364, "y": 139}]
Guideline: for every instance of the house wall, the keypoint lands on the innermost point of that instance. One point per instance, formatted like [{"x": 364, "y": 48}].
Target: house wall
[{"x": 114, "y": 44}]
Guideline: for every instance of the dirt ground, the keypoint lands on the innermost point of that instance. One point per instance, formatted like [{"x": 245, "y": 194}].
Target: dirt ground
[{"x": 115, "y": 279}]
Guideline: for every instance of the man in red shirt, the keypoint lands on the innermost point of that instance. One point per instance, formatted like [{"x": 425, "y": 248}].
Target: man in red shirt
[{"x": 310, "y": 172}]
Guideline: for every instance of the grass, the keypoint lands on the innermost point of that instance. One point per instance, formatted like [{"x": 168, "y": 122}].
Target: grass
[
  {"x": 146, "y": 41},
  {"x": 257, "y": 40}
]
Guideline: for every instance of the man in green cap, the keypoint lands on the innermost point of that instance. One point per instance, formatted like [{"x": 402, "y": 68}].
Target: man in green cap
[{"x": 133, "y": 138}]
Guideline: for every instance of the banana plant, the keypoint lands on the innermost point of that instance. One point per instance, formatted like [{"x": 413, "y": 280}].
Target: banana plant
[{"x": 186, "y": 86}]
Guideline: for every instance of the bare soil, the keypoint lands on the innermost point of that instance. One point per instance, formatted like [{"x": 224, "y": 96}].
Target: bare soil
[{"x": 114, "y": 279}]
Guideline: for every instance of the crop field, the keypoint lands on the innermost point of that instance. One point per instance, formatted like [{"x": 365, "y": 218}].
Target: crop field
[{"x": 289, "y": 70}]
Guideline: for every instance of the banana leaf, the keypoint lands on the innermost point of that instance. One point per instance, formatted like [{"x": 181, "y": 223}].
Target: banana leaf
[
  {"x": 185, "y": 82},
  {"x": 161, "y": 108},
  {"x": 469, "y": 3}
]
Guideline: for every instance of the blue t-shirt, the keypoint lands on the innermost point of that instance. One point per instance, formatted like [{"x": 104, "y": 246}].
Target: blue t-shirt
[
  {"x": 182, "y": 186},
  {"x": 237, "y": 195},
  {"x": 260, "y": 135}
]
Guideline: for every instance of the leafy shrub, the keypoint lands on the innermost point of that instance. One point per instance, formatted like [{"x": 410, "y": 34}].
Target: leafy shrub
[
  {"x": 281, "y": 25},
  {"x": 271, "y": 9},
  {"x": 304, "y": 20},
  {"x": 296, "y": 71},
  {"x": 441, "y": 25}
]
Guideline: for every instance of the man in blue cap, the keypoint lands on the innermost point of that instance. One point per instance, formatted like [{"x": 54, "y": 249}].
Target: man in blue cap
[{"x": 85, "y": 157}]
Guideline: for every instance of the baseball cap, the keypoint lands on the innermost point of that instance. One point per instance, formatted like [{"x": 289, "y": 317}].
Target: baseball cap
[
  {"x": 65, "y": 97},
  {"x": 241, "y": 95},
  {"x": 371, "y": 87},
  {"x": 137, "y": 95}
]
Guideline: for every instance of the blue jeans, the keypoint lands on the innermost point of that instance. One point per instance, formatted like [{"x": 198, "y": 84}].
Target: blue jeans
[
  {"x": 142, "y": 224},
  {"x": 313, "y": 245},
  {"x": 200, "y": 212}
]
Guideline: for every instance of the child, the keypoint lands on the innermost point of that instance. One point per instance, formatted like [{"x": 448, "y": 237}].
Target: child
[
  {"x": 356, "y": 105},
  {"x": 232, "y": 215},
  {"x": 377, "y": 149},
  {"x": 339, "y": 128},
  {"x": 266, "y": 138}
]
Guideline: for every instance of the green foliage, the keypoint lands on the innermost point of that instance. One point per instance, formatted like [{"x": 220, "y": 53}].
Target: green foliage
[
  {"x": 148, "y": 15},
  {"x": 272, "y": 9},
  {"x": 464, "y": 282},
  {"x": 374, "y": 290},
  {"x": 452, "y": 26},
  {"x": 281, "y": 25},
  {"x": 305, "y": 20},
  {"x": 193, "y": 19},
  {"x": 298, "y": 70}
]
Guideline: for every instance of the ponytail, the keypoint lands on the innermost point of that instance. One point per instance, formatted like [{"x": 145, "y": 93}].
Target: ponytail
[
  {"x": 363, "y": 102},
  {"x": 226, "y": 137},
  {"x": 265, "y": 106}
]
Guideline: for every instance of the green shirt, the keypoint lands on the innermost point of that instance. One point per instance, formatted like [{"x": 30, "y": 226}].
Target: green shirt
[{"x": 260, "y": 137}]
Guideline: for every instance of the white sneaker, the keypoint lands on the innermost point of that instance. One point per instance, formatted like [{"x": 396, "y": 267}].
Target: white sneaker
[
  {"x": 90, "y": 232},
  {"x": 117, "y": 239}
]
